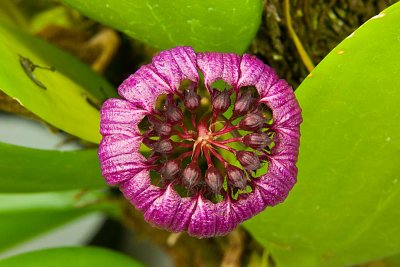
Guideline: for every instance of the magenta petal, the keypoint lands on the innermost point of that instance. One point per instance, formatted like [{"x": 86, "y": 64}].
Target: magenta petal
[
  {"x": 203, "y": 222},
  {"x": 122, "y": 167},
  {"x": 143, "y": 87},
  {"x": 249, "y": 205},
  {"x": 217, "y": 66},
  {"x": 286, "y": 110},
  {"x": 176, "y": 65},
  {"x": 144, "y": 199},
  {"x": 226, "y": 219},
  {"x": 288, "y": 137},
  {"x": 253, "y": 72},
  {"x": 136, "y": 185},
  {"x": 162, "y": 211},
  {"x": 118, "y": 144},
  {"x": 285, "y": 152},
  {"x": 272, "y": 193},
  {"x": 183, "y": 214},
  {"x": 118, "y": 116}
]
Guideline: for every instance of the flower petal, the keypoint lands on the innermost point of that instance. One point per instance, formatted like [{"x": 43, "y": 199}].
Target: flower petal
[
  {"x": 286, "y": 111},
  {"x": 176, "y": 65},
  {"x": 143, "y": 87},
  {"x": 216, "y": 66},
  {"x": 136, "y": 185},
  {"x": 253, "y": 72},
  {"x": 162, "y": 211},
  {"x": 203, "y": 221},
  {"x": 119, "y": 168},
  {"x": 248, "y": 205},
  {"x": 226, "y": 219},
  {"x": 118, "y": 116},
  {"x": 272, "y": 193},
  {"x": 183, "y": 214},
  {"x": 144, "y": 199},
  {"x": 118, "y": 144}
]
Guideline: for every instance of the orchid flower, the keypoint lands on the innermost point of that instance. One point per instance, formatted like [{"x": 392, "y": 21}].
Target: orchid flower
[{"x": 197, "y": 157}]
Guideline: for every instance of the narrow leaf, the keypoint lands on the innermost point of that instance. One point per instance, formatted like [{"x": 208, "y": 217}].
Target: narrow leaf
[
  {"x": 23, "y": 216},
  {"x": 70, "y": 256},
  {"x": 61, "y": 97},
  {"x": 34, "y": 170}
]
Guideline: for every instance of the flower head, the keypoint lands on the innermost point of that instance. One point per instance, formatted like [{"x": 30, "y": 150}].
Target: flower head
[{"x": 201, "y": 158}]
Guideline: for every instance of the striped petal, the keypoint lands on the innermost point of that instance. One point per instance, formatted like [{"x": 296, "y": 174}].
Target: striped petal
[
  {"x": 203, "y": 220},
  {"x": 219, "y": 66},
  {"x": 183, "y": 214},
  {"x": 136, "y": 185},
  {"x": 162, "y": 211},
  {"x": 118, "y": 166},
  {"x": 285, "y": 108},
  {"x": 176, "y": 65},
  {"x": 118, "y": 116},
  {"x": 249, "y": 205},
  {"x": 253, "y": 72},
  {"x": 143, "y": 88}
]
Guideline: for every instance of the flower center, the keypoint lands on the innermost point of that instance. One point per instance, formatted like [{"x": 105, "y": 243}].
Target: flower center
[{"x": 214, "y": 143}]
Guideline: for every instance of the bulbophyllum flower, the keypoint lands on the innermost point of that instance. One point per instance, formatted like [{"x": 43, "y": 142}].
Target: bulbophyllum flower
[{"x": 191, "y": 164}]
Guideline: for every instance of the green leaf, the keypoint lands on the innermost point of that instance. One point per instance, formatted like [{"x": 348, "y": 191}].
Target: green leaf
[
  {"x": 393, "y": 261},
  {"x": 213, "y": 25},
  {"x": 64, "y": 103},
  {"x": 34, "y": 170},
  {"x": 70, "y": 256},
  {"x": 345, "y": 207},
  {"x": 10, "y": 13},
  {"x": 23, "y": 216}
]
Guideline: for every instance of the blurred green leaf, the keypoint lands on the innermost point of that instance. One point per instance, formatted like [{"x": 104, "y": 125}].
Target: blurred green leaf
[
  {"x": 393, "y": 261},
  {"x": 59, "y": 15},
  {"x": 10, "y": 13},
  {"x": 345, "y": 207},
  {"x": 23, "y": 216},
  {"x": 213, "y": 25},
  {"x": 70, "y": 256},
  {"x": 64, "y": 103},
  {"x": 34, "y": 170}
]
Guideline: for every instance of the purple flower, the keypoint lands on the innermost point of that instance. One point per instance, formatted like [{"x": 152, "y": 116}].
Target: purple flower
[{"x": 213, "y": 156}]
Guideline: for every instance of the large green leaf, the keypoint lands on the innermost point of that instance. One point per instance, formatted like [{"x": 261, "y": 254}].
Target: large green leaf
[
  {"x": 23, "y": 216},
  {"x": 345, "y": 207},
  {"x": 393, "y": 261},
  {"x": 64, "y": 103},
  {"x": 34, "y": 170},
  {"x": 214, "y": 25},
  {"x": 70, "y": 256}
]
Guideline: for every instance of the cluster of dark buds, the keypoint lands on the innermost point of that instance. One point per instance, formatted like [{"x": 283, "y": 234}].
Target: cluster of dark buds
[{"x": 201, "y": 158}]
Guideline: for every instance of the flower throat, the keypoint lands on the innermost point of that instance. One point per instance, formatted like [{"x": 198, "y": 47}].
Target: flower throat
[{"x": 213, "y": 142}]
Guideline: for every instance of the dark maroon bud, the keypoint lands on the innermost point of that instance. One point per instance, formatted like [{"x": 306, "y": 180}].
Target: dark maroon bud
[
  {"x": 164, "y": 146},
  {"x": 249, "y": 160},
  {"x": 236, "y": 177},
  {"x": 257, "y": 140},
  {"x": 173, "y": 113},
  {"x": 191, "y": 175},
  {"x": 191, "y": 99},
  {"x": 160, "y": 127},
  {"x": 252, "y": 122},
  {"x": 243, "y": 104},
  {"x": 221, "y": 100},
  {"x": 169, "y": 169},
  {"x": 214, "y": 179},
  {"x": 163, "y": 129}
]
